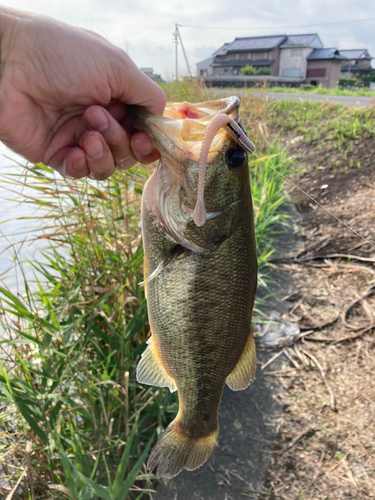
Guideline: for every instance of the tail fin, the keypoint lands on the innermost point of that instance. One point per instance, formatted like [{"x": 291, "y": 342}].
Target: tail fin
[{"x": 174, "y": 452}]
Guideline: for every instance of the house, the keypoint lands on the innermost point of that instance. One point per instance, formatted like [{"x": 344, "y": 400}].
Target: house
[
  {"x": 294, "y": 53},
  {"x": 263, "y": 51},
  {"x": 204, "y": 68},
  {"x": 359, "y": 61},
  {"x": 324, "y": 67},
  {"x": 292, "y": 60}
]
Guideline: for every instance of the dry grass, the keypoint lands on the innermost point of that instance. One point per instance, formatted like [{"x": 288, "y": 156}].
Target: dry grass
[
  {"x": 335, "y": 456},
  {"x": 322, "y": 453}
]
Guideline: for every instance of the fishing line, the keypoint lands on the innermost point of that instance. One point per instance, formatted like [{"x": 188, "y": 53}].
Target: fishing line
[{"x": 315, "y": 201}]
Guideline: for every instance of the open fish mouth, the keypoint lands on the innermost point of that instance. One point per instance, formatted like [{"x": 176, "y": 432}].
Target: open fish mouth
[{"x": 194, "y": 133}]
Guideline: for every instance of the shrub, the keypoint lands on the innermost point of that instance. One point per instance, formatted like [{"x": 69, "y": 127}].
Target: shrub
[
  {"x": 263, "y": 71},
  {"x": 307, "y": 86},
  {"x": 367, "y": 79},
  {"x": 348, "y": 82},
  {"x": 247, "y": 71}
]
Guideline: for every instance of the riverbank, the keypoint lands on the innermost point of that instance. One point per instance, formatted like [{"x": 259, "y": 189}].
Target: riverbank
[{"x": 326, "y": 444}]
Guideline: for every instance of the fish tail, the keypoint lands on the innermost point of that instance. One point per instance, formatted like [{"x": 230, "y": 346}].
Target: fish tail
[{"x": 176, "y": 451}]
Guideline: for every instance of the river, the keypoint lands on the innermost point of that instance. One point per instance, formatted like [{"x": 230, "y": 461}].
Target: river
[{"x": 12, "y": 229}]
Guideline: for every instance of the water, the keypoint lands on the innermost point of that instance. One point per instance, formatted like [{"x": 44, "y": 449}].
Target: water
[{"x": 13, "y": 231}]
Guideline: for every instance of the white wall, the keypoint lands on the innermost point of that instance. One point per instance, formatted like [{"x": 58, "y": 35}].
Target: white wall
[
  {"x": 205, "y": 66},
  {"x": 293, "y": 61}
]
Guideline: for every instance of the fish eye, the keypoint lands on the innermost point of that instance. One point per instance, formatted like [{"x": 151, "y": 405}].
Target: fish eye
[{"x": 235, "y": 158}]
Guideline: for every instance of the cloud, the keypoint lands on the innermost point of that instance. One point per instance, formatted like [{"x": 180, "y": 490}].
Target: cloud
[{"x": 145, "y": 27}]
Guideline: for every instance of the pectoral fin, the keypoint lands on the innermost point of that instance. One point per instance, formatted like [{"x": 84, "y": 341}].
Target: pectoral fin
[
  {"x": 175, "y": 252},
  {"x": 151, "y": 372},
  {"x": 244, "y": 371}
]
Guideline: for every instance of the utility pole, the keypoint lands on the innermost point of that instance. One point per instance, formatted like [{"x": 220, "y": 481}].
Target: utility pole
[
  {"x": 175, "y": 36},
  {"x": 348, "y": 74},
  {"x": 183, "y": 50}
]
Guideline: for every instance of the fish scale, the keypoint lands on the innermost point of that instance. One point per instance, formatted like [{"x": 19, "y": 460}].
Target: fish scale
[{"x": 200, "y": 302}]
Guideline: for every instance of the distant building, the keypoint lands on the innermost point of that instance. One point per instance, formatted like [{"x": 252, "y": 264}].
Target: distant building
[
  {"x": 324, "y": 67},
  {"x": 292, "y": 60},
  {"x": 359, "y": 61},
  {"x": 149, "y": 72},
  {"x": 294, "y": 53},
  {"x": 204, "y": 68},
  {"x": 263, "y": 51}
]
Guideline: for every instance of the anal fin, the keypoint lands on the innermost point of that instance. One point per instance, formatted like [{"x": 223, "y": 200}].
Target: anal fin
[
  {"x": 151, "y": 372},
  {"x": 244, "y": 371}
]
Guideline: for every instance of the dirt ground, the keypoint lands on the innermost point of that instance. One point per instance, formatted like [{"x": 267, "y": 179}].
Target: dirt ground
[{"x": 326, "y": 445}]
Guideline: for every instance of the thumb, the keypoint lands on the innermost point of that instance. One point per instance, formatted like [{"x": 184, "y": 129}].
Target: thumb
[{"x": 137, "y": 88}]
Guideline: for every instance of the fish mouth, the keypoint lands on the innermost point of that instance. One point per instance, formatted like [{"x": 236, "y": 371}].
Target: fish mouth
[
  {"x": 190, "y": 135},
  {"x": 179, "y": 133}
]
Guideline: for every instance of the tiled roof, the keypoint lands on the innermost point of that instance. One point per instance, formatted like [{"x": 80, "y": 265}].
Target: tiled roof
[
  {"x": 355, "y": 54},
  {"x": 332, "y": 53},
  {"x": 256, "y": 43},
  {"x": 222, "y": 51},
  {"x": 299, "y": 40}
]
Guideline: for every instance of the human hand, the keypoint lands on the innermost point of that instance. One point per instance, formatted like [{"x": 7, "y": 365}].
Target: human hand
[{"x": 63, "y": 96}]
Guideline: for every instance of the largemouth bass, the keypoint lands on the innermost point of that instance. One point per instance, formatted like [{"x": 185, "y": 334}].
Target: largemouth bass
[{"x": 200, "y": 271}]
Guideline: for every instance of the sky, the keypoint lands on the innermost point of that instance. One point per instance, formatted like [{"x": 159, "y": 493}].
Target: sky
[{"x": 144, "y": 28}]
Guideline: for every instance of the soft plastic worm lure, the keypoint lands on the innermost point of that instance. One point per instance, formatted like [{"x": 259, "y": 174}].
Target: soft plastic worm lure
[{"x": 221, "y": 120}]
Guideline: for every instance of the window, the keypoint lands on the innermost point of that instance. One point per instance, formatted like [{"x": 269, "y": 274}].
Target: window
[
  {"x": 243, "y": 56},
  {"x": 316, "y": 73},
  {"x": 233, "y": 57},
  {"x": 291, "y": 72},
  {"x": 260, "y": 55}
]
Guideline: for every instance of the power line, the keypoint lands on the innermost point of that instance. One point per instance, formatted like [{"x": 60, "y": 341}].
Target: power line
[{"x": 278, "y": 27}]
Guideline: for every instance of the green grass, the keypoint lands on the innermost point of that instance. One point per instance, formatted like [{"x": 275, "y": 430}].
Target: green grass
[
  {"x": 67, "y": 379},
  {"x": 322, "y": 90},
  {"x": 359, "y": 91},
  {"x": 269, "y": 198},
  {"x": 73, "y": 339},
  {"x": 322, "y": 122}
]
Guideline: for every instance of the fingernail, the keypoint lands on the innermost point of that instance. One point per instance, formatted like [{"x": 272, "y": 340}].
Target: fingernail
[
  {"x": 94, "y": 147},
  {"x": 66, "y": 165},
  {"x": 143, "y": 146},
  {"x": 79, "y": 162},
  {"x": 96, "y": 119}
]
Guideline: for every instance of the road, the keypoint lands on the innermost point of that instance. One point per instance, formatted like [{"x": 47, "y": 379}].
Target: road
[{"x": 347, "y": 100}]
